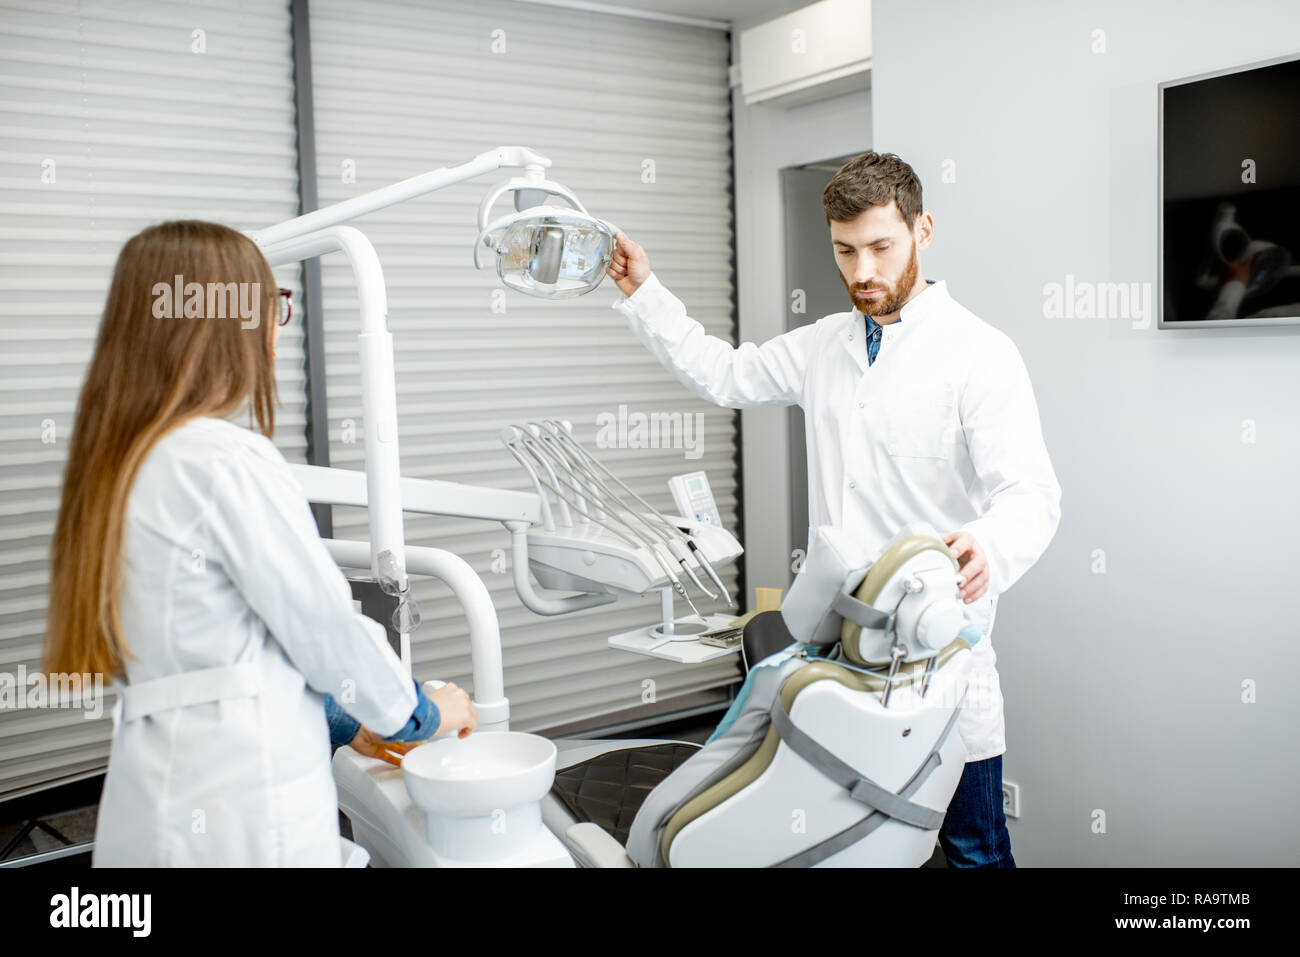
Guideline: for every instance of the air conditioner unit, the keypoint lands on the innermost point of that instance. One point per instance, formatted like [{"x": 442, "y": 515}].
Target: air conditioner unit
[{"x": 822, "y": 50}]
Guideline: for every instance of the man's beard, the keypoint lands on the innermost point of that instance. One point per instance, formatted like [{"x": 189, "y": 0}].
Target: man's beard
[{"x": 893, "y": 299}]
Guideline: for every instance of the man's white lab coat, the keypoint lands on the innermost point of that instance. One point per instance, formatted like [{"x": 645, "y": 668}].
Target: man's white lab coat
[
  {"x": 942, "y": 427},
  {"x": 224, "y": 566}
]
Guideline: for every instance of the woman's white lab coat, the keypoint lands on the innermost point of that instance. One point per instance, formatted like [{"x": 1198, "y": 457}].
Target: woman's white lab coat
[
  {"x": 226, "y": 577},
  {"x": 941, "y": 428}
]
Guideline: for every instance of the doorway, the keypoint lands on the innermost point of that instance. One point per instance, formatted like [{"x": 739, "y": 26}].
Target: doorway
[{"x": 809, "y": 267}]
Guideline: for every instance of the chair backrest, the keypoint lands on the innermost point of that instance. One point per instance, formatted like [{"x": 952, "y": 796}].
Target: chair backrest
[{"x": 860, "y": 784}]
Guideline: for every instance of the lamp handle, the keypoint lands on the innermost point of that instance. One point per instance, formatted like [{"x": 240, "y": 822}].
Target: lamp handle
[{"x": 524, "y": 184}]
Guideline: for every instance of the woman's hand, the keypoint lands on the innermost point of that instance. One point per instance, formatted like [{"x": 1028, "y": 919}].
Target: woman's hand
[
  {"x": 629, "y": 266},
  {"x": 373, "y": 746},
  {"x": 455, "y": 709}
]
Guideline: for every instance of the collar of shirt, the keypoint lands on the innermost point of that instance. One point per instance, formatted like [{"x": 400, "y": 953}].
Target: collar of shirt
[
  {"x": 924, "y": 303},
  {"x": 930, "y": 300}
]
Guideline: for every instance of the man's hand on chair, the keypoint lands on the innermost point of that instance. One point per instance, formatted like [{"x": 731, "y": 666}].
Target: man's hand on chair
[{"x": 973, "y": 579}]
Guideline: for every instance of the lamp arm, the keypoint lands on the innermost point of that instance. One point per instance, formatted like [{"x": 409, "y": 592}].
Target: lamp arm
[{"x": 501, "y": 157}]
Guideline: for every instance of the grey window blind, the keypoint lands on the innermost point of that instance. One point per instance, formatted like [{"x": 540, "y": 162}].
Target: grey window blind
[
  {"x": 413, "y": 86},
  {"x": 113, "y": 116}
]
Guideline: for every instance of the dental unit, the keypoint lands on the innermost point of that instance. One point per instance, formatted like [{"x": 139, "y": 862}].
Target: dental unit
[{"x": 850, "y": 722}]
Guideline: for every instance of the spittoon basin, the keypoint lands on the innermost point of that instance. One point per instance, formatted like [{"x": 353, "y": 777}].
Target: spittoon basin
[{"x": 473, "y": 776}]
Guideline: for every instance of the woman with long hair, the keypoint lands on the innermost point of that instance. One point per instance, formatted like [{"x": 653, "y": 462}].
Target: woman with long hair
[{"x": 187, "y": 566}]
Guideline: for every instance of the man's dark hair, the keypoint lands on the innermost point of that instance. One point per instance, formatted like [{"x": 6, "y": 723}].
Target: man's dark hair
[{"x": 872, "y": 179}]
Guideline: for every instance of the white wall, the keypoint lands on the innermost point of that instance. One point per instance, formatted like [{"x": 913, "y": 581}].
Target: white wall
[
  {"x": 1124, "y": 689},
  {"x": 767, "y": 139}
]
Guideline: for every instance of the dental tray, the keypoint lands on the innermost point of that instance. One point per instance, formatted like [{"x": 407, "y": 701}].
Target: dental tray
[
  {"x": 729, "y": 637},
  {"x": 685, "y": 652}
]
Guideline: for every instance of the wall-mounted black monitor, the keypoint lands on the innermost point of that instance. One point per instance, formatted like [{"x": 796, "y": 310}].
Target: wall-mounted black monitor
[{"x": 1230, "y": 197}]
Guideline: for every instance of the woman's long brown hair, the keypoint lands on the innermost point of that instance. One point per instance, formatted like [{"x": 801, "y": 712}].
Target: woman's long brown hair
[{"x": 148, "y": 375}]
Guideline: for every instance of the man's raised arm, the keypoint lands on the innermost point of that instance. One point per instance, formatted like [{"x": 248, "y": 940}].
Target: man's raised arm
[{"x": 736, "y": 377}]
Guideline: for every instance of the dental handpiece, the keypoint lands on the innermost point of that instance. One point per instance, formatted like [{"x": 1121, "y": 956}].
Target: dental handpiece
[
  {"x": 560, "y": 436},
  {"x": 673, "y": 544},
  {"x": 710, "y": 571},
  {"x": 599, "y": 489},
  {"x": 561, "y": 433},
  {"x": 537, "y": 446},
  {"x": 528, "y": 444}
]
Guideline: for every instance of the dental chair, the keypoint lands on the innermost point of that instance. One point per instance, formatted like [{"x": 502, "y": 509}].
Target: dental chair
[{"x": 839, "y": 749}]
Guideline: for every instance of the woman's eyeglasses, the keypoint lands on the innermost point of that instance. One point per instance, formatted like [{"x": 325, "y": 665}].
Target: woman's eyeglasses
[{"x": 286, "y": 307}]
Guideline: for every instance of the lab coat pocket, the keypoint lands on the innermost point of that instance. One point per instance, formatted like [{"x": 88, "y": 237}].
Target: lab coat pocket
[{"x": 921, "y": 425}]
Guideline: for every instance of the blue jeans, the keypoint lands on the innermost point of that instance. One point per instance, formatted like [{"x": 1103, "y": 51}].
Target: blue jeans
[{"x": 974, "y": 832}]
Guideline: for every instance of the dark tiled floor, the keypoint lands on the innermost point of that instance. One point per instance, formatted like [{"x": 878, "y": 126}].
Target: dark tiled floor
[{"x": 78, "y": 826}]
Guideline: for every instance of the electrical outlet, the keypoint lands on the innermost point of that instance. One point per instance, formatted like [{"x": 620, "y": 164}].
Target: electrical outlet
[{"x": 1011, "y": 799}]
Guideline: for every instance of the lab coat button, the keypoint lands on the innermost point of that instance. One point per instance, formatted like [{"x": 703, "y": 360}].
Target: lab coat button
[
  {"x": 862, "y": 405},
  {"x": 851, "y": 485}
]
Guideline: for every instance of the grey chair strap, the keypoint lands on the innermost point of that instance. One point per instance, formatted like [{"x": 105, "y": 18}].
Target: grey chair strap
[
  {"x": 859, "y": 612},
  {"x": 884, "y": 804}
]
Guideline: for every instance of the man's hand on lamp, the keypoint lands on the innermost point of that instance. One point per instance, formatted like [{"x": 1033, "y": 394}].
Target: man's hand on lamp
[
  {"x": 629, "y": 266},
  {"x": 973, "y": 579}
]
